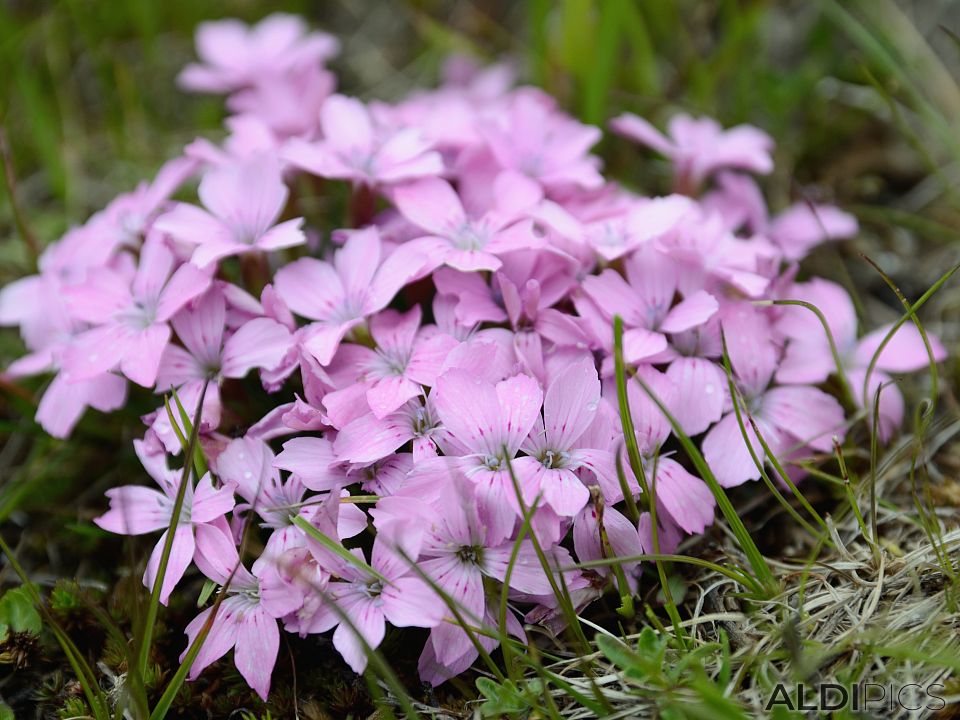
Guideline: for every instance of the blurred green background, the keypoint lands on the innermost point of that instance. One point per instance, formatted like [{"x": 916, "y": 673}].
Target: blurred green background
[{"x": 859, "y": 94}]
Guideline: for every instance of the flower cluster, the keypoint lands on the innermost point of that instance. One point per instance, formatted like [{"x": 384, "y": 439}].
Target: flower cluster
[{"x": 442, "y": 369}]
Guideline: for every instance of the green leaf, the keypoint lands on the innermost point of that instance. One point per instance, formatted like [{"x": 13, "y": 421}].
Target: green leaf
[
  {"x": 500, "y": 699},
  {"x": 208, "y": 587},
  {"x": 650, "y": 645},
  {"x": 633, "y": 665},
  {"x": 17, "y": 612}
]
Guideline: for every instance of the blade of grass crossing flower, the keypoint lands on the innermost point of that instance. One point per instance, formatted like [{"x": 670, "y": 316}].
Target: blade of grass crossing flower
[
  {"x": 738, "y": 403},
  {"x": 636, "y": 465},
  {"x": 199, "y": 462},
  {"x": 626, "y": 609},
  {"x": 563, "y": 598},
  {"x": 472, "y": 630},
  {"x": 154, "y": 604},
  {"x": 562, "y": 593},
  {"x": 934, "y": 376},
  {"x": 525, "y": 528},
  {"x": 848, "y": 399},
  {"x": 909, "y": 315},
  {"x": 749, "y": 547},
  {"x": 335, "y": 547},
  {"x": 626, "y": 421}
]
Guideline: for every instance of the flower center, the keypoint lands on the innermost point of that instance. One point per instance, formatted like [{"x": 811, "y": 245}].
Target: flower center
[
  {"x": 492, "y": 462},
  {"x": 552, "y": 459},
  {"x": 470, "y": 237},
  {"x": 470, "y": 554}
]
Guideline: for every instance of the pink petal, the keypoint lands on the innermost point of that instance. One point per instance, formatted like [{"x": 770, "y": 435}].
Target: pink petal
[
  {"x": 615, "y": 297},
  {"x": 690, "y": 312},
  {"x": 727, "y": 454},
  {"x": 322, "y": 340},
  {"x": 88, "y": 356},
  {"x": 153, "y": 269},
  {"x": 751, "y": 349},
  {"x": 368, "y": 439},
  {"x": 470, "y": 410},
  {"x": 219, "y": 640},
  {"x": 186, "y": 283},
  {"x": 571, "y": 403},
  {"x": 190, "y": 224},
  {"x": 698, "y": 401},
  {"x": 430, "y": 204},
  {"x": 395, "y": 331},
  {"x": 286, "y": 234},
  {"x": 527, "y": 575},
  {"x": 181, "y": 555},
  {"x": 386, "y": 395},
  {"x": 135, "y": 510},
  {"x": 639, "y": 130},
  {"x": 258, "y": 640},
  {"x": 346, "y": 124},
  {"x": 259, "y": 343},
  {"x": 687, "y": 498},
  {"x": 141, "y": 356},
  {"x": 520, "y": 398},
  {"x": 367, "y": 620},
  {"x": 640, "y": 344},
  {"x": 200, "y": 328},
  {"x": 904, "y": 353},
  {"x": 428, "y": 357},
  {"x": 402, "y": 266},
  {"x": 357, "y": 261},
  {"x": 210, "y": 503},
  {"x": 806, "y": 413},
  {"x": 247, "y": 196},
  {"x": 563, "y": 491},
  {"x": 312, "y": 460},
  {"x": 310, "y": 288},
  {"x": 409, "y": 601}
]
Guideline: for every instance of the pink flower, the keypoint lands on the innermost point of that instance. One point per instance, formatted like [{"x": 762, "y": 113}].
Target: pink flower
[
  {"x": 808, "y": 358},
  {"x": 246, "y": 619},
  {"x": 355, "y": 148},
  {"x": 131, "y": 315},
  {"x": 338, "y": 296},
  {"x": 644, "y": 220},
  {"x": 684, "y": 498},
  {"x": 208, "y": 354},
  {"x": 457, "y": 552},
  {"x": 136, "y": 510},
  {"x": 393, "y": 592},
  {"x": 485, "y": 425},
  {"x": 405, "y": 360},
  {"x": 699, "y": 147},
  {"x": 555, "y": 448},
  {"x": 645, "y": 301},
  {"x": 237, "y": 55},
  {"x": 796, "y": 230},
  {"x": 368, "y": 438},
  {"x": 789, "y": 417},
  {"x": 534, "y": 138},
  {"x": 454, "y": 239},
  {"x": 244, "y": 200}
]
